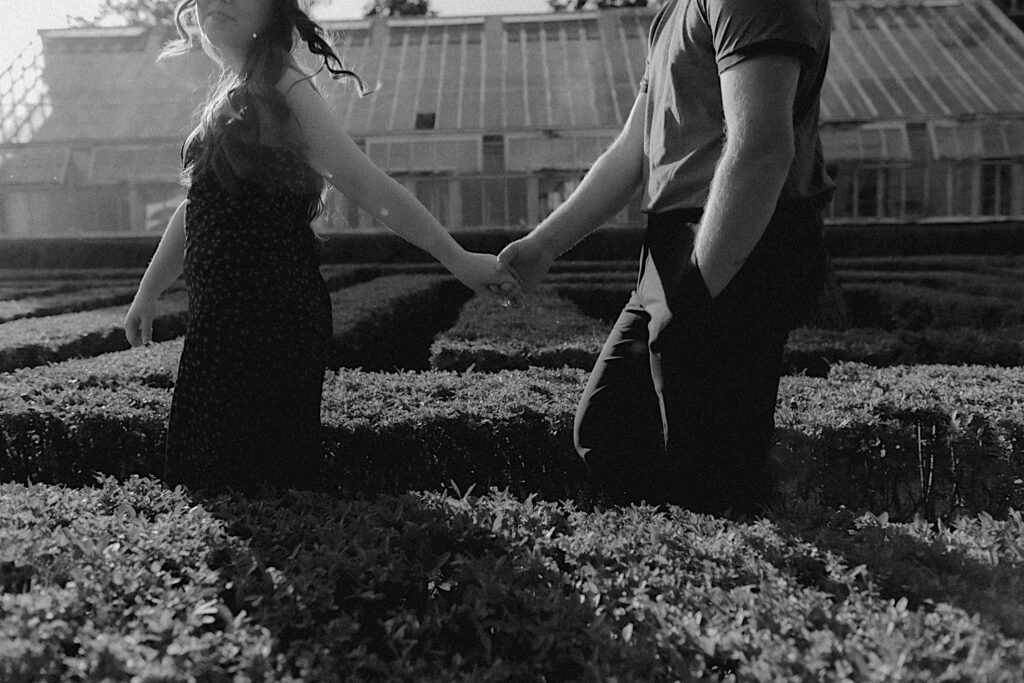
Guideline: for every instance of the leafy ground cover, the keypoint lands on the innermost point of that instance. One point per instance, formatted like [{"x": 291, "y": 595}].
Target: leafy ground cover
[
  {"x": 35, "y": 341},
  {"x": 908, "y": 439},
  {"x": 124, "y": 579},
  {"x": 65, "y": 302},
  {"x": 547, "y": 331},
  {"x": 133, "y": 580}
]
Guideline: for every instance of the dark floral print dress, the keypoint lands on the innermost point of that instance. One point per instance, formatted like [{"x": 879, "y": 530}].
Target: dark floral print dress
[{"x": 246, "y": 405}]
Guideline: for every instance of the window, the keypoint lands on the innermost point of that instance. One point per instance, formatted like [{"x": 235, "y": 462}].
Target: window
[
  {"x": 554, "y": 190},
  {"x": 435, "y": 194},
  {"x": 426, "y": 120},
  {"x": 29, "y": 212},
  {"x": 494, "y": 201},
  {"x": 996, "y": 189},
  {"x": 869, "y": 191},
  {"x": 494, "y": 154}
]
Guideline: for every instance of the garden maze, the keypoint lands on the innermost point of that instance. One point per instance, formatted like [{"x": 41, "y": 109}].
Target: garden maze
[{"x": 457, "y": 535}]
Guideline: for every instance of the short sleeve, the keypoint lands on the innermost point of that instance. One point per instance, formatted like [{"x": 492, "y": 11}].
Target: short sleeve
[
  {"x": 741, "y": 29},
  {"x": 657, "y": 24}
]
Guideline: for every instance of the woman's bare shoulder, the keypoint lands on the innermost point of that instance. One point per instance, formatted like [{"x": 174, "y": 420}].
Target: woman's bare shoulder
[{"x": 294, "y": 76}]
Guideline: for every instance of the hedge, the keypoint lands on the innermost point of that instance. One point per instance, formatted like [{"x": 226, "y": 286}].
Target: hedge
[
  {"x": 1001, "y": 286},
  {"x": 547, "y": 331},
  {"x": 66, "y": 302},
  {"x": 134, "y": 581},
  {"x": 12, "y": 291},
  {"x": 34, "y": 341},
  {"x": 557, "y": 327},
  {"x": 996, "y": 264},
  {"x": 908, "y": 307},
  {"x": 814, "y": 351},
  {"x": 388, "y": 322},
  {"x": 929, "y": 440}
]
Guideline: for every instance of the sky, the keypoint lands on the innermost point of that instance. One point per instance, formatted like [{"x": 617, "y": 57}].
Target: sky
[{"x": 20, "y": 19}]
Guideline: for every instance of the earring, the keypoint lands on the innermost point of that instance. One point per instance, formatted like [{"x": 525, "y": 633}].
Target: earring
[{"x": 254, "y": 36}]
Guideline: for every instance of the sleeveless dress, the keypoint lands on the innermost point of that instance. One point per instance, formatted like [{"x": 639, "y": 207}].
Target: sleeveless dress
[{"x": 246, "y": 403}]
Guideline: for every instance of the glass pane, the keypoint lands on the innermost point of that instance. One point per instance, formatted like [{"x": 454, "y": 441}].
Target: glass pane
[
  {"x": 494, "y": 155},
  {"x": 915, "y": 205},
  {"x": 842, "y": 204},
  {"x": 867, "y": 192},
  {"x": 433, "y": 194},
  {"x": 400, "y": 157},
  {"x": 517, "y": 201},
  {"x": 962, "y": 198},
  {"x": 553, "y": 191},
  {"x": 494, "y": 202},
  {"x": 938, "y": 190},
  {"x": 996, "y": 190},
  {"x": 472, "y": 203},
  {"x": 891, "y": 180}
]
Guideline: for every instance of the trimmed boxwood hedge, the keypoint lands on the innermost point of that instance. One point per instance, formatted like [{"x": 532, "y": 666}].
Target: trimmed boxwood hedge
[
  {"x": 928, "y": 439},
  {"x": 133, "y": 581},
  {"x": 547, "y": 331},
  {"x": 388, "y": 322},
  {"x": 28, "y": 342},
  {"x": 66, "y": 302}
]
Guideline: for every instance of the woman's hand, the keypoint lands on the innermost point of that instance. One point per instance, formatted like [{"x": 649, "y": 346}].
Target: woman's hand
[
  {"x": 138, "y": 323},
  {"x": 480, "y": 273},
  {"x": 528, "y": 259}
]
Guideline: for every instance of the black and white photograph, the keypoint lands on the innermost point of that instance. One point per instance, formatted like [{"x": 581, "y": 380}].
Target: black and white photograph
[{"x": 511, "y": 340}]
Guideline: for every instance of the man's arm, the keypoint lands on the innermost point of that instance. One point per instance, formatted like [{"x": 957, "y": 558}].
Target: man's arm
[
  {"x": 609, "y": 184},
  {"x": 757, "y": 98},
  {"x": 604, "y": 191}
]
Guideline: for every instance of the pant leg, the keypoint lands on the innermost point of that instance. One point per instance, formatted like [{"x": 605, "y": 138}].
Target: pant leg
[
  {"x": 716, "y": 368},
  {"x": 618, "y": 430}
]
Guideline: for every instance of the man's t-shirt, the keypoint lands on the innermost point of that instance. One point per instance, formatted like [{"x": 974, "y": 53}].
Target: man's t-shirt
[{"x": 691, "y": 43}]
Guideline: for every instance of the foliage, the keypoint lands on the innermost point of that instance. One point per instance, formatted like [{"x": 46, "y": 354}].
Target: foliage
[
  {"x": 579, "y": 5},
  {"x": 388, "y": 322},
  {"x": 137, "y": 13},
  {"x": 548, "y": 331},
  {"x": 131, "y": 13},
  {"x": 29, "y": 341},
  {"x": 132, "y": 581},
  {"x": 398, "y": 8}
]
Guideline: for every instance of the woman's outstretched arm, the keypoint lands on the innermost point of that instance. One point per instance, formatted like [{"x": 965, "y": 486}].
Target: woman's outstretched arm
[
  {"x": 164, "y": 268},
  {"x": 334, "y": 154}
]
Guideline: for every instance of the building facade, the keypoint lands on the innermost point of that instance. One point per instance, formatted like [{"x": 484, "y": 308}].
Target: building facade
[{"x": 493, "y": 121}]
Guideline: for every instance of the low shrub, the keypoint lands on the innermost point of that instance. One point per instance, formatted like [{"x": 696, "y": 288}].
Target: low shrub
[
  {"x": 602, "y": 301},
  {"x": 814, "y": 351},
  {"x": 962, "y": 282},
  {"x": 10, "y": 291},
  {"x": 34, "y": 341},
  {"x": 389, "y": 322},
  {"x": 908, "y": 307},
  {"x": 963, "y": 262},
  {"x": 928, "y": 440},
  {"x": 65, "y": 302},
  {"x": 547, "y": 331},
  {"x": 133, "y": 581}
]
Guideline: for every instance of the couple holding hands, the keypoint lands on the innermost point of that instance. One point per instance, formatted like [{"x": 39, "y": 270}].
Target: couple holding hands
[{"x": 679, "y": 409}]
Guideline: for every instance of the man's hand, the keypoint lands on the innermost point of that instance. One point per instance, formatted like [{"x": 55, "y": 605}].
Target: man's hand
[
  {"x": 528, "y": 260},
  {"x": 480, "y": 273}
]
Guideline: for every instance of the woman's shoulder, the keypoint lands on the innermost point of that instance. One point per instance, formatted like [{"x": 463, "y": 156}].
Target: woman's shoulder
[{"x": 293, "y": 76}]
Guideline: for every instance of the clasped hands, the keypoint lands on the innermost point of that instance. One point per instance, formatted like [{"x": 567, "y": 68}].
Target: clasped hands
[{"x": 527, "y": 261}]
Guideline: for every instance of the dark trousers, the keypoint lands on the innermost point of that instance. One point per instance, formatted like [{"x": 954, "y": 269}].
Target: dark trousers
[{"x": 680, "y": 406}]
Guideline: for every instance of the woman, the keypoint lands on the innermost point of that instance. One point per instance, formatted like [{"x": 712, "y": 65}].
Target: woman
[{"x": 246, "y": 406}]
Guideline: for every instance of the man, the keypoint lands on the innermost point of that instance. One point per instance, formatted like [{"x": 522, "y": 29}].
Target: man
[{"x": 680, "y": 406}]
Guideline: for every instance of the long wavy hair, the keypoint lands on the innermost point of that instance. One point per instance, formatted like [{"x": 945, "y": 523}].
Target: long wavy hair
[{"x": 226, "y": 137}]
